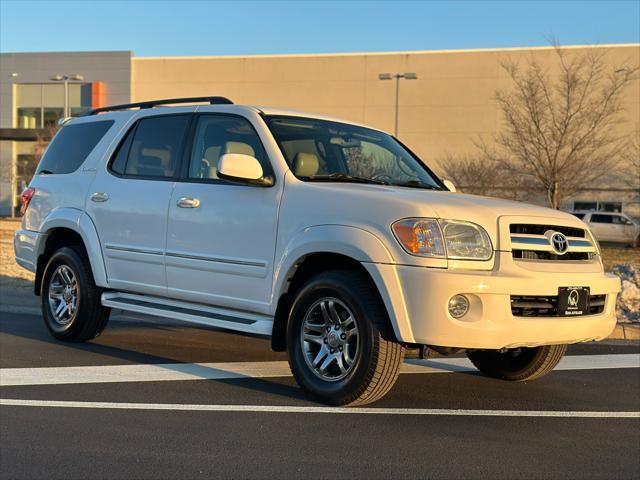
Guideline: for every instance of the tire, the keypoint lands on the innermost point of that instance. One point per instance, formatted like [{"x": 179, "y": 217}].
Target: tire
[
  {"x": 365, "y": 364},
  {"x": 68, "y": 278},
  {"x": 518, "y": 364}
]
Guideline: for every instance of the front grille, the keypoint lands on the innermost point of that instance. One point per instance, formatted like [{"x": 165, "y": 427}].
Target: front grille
[
  {"x": 526, "y": 229},
  {"x": 534, "y": 242},
  {"x": 533, "y": 255},
  {"x": 547, "y": 306}
]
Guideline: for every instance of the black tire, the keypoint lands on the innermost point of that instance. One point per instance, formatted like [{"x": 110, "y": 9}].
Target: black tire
[
  {"x": 89, "y": 318},
  {"x": 378, "y": 357},
  {"x": 518, "y": 364}
]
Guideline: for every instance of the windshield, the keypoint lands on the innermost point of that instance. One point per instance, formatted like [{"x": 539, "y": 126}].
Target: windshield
[{"x": 319, "y": 150}]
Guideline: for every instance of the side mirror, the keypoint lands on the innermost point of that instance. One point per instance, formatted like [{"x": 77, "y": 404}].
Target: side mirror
[
  {"x": 449, "y": 184},
  {"x": 239, "y": 167}
]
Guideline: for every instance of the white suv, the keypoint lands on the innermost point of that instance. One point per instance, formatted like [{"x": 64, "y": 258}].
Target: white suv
[
  {"x": 611, "y": 227},
  {"x": 332, "y": 238}
]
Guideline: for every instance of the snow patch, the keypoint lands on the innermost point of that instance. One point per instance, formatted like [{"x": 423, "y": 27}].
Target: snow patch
[{"x": 628, "y": 306}]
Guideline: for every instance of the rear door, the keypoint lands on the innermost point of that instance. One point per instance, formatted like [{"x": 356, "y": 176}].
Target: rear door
[
  {"x": 221, "y": 235},
  {"x": 128, "y": 202}
]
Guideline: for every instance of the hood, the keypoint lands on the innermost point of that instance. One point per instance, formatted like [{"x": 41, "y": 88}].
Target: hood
[{"x": 381, "y": 205}]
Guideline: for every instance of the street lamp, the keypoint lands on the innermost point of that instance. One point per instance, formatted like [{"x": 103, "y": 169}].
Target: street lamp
[
  {"x": 66, "y": 78},
  {"x": 398, "y": 76},
  {"x": 14, "y": 169}
]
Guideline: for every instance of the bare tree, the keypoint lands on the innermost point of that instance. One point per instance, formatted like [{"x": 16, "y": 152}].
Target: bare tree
[
  {"x": 561, "y": 129},
  {"x": 631, "y": 158},
  {"x": 480, "y": 174}
]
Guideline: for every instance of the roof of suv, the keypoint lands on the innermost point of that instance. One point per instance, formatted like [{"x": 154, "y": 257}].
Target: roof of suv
[{"x": 222, "y": 103}]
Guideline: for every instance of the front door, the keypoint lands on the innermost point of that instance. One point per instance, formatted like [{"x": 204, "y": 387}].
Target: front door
[
  {"x": 603, "y": 227},
  {"x": 221, "y": 235},
  {"x": 128, "y": 203}
]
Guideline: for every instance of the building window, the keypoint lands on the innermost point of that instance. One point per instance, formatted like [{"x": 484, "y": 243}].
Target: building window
[
  {"x": 41, "y": 105},
  {"x": 597, "y": 206}
]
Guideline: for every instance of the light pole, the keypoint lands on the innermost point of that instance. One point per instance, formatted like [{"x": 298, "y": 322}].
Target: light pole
[
  {"x": 14, "y": 169},
  {"x": 397, "y": 76},
  {"x": 65, "y": 79}
]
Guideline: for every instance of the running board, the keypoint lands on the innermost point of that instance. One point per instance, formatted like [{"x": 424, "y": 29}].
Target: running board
[{"x": 190, "y": 312}]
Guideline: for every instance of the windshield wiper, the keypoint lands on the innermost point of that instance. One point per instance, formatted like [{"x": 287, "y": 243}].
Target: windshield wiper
[
  {"x": 343, "y": 177},
  {"x": 45, "y": 172},
  {"x": 417, "y": 184}
]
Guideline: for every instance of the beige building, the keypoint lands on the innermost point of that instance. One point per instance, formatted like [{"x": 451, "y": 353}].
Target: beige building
[{"x": 444, "y": 111}]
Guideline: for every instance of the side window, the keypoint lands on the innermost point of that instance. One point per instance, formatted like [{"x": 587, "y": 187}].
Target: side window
[
  {"x": 579, "y": 215},
  {"x": 119, "y": 162},
  {"x": 72, "y": 145},
  {"x": 219, "y": 134},
  {"x": 597, "y": 218},
  {"x": 154, "y": 148}
]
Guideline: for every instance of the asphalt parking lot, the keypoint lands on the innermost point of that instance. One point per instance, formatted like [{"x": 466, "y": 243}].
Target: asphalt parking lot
[{"x": 155, "y": 399}]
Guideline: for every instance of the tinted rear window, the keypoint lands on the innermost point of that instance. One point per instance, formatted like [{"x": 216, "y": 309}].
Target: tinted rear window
[{"x": 71, "y": 146}]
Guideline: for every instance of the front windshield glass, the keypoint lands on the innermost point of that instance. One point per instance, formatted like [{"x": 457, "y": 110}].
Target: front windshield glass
[{"x": 319, "y": 150}]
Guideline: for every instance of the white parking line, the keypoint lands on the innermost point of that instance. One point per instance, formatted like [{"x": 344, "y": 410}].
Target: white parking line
[
  {"x": 221, "y": 371},
  {"x": 333, "y": 410}
]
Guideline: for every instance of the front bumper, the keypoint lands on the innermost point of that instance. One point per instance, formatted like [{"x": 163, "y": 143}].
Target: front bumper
[{"x": 420, "y": 305}]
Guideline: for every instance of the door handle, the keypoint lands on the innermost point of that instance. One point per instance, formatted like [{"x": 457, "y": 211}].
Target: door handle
[
  {"x": 188, "y": 202},
  {"x": 99, "y": 197}
]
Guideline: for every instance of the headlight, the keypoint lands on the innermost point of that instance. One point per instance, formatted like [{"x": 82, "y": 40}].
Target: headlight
[
  {"x": 428, "y": 237},
  {"x": 420, "y": 236},
  {"x": 464, "y": 240}
]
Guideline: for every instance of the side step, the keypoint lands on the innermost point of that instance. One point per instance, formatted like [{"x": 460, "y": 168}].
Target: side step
[{"x": 190, "y": 312}]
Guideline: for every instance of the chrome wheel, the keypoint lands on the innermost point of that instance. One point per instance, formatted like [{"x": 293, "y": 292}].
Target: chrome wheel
[
  {"x": 63, "y": 295},
  {"x": 330, "y": 339}
]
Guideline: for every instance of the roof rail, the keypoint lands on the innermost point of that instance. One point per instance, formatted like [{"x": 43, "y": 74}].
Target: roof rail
[{"x": 157, "y": 103}]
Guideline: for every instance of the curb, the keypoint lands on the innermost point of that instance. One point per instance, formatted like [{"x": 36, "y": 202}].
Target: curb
[{"x": 625, "y": 331}]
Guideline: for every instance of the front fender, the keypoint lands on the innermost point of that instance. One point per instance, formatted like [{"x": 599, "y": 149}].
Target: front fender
[
  {"x": 78, "y": 221},
  {"x": 355, "y": 243}
]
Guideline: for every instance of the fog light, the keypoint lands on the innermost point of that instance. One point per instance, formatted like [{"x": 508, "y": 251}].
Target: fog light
[{"x": 458, "y": 306}]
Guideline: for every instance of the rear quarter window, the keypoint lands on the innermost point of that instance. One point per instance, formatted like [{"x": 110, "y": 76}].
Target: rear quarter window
[{"x": 71, "y": 146}]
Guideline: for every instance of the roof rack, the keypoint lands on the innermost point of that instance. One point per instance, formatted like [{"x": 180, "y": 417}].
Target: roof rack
[{"x": 156, "y": 103}]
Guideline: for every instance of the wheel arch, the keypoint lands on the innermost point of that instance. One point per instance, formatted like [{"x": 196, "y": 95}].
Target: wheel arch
[
  {"x": 67, "y": 227},
  {"x": 329, "y": 247}
]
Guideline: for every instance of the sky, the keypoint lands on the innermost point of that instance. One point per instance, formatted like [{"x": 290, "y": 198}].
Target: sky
[{"x": 183, "y": 28}]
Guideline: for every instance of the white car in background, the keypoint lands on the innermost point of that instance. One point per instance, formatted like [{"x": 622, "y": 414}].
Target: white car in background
[{"x": 612, "y": 227}]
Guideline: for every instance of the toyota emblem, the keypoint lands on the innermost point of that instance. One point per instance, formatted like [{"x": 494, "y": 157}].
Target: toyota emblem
[{"x": 559, "y": 243}]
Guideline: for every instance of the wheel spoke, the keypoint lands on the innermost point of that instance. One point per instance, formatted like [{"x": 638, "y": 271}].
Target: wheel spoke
[
  {"x": 62, "y": 307},
  {"x": 341, "y": 366},
  {"x": 321, "y": 354},
  {"x": 347, "y": 321},
  {"x": 315, "y": 327},
  {"x": 335, "y": 318},
  {"x": 325, "y": 314},
  {"x": 313, "y": 338},
  {"x": 66, "y": 277},
  {"x": 348, "y": 358},
  {"x": 327, "y": 361}
]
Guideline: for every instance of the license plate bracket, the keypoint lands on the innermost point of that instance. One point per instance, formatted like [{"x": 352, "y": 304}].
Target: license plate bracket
[{"x": 573, "y": 301}]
